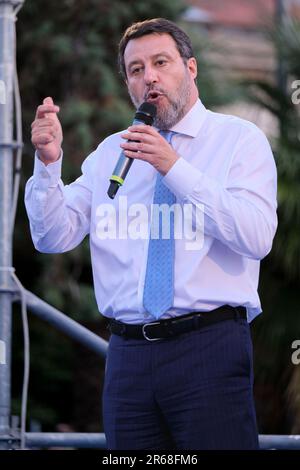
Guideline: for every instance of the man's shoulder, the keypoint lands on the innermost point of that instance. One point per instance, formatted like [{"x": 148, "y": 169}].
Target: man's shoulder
[
  {"x": 233, "y": 124},
  {"x": 111, "y": 139}
]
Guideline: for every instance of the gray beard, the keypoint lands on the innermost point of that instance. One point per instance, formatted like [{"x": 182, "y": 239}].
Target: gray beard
[{"x": 168, "y": 117}]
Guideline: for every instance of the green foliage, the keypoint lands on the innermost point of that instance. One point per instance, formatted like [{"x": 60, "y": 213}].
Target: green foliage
[
  {"x": 286, "y": 39},
  {"x": 271, "y": 96},
  {"x": 275, "y": 331},
  {"x": 50, "y": 390}
]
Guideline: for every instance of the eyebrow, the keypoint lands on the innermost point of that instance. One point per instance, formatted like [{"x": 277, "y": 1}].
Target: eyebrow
[{"x": 155, "y": 56}]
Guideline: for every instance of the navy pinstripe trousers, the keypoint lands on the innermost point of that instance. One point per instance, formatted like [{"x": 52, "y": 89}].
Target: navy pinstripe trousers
[{"x": 190, "y": 392}]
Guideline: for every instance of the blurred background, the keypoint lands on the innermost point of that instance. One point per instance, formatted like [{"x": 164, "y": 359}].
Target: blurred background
[{"x": 249, "y": 59}]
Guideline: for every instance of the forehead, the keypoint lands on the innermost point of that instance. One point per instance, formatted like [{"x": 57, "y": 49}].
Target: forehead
[{"x": 150, "y": 45}]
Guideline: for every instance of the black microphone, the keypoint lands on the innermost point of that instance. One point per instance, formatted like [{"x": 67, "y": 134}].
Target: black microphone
[{"x": 144, "y": 115}]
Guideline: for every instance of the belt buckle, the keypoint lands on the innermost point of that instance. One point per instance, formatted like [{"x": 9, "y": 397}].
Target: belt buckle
[{"x": 145, "y": 334}]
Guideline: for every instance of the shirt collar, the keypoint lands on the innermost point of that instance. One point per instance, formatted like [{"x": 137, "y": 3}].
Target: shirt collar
[{"x": 191, "y": 123}]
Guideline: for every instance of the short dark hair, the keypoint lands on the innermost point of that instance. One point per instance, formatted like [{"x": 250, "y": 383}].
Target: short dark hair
[{"x": 155, "y": 25}]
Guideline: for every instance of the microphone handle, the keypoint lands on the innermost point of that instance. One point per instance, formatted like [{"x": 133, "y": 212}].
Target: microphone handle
[{"x": 121, "y": 169}]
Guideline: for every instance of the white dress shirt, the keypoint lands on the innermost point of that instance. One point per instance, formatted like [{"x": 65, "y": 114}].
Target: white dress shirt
[{"x": 226, "y": 168}]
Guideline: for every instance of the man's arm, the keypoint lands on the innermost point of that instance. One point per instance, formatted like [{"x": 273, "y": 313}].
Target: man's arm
[
  {"x": 242, "y": 212},
  {"x": 59, "y": 215}
]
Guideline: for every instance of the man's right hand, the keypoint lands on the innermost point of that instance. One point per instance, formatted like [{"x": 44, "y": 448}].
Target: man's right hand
[{"x": 46, "y": 132}]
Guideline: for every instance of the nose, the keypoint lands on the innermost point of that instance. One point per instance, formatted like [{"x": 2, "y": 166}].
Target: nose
[{"x": 150, "y": 75}]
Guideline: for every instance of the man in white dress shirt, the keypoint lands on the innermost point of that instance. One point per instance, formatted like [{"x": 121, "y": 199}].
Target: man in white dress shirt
[{"x": 181, "y": 379}]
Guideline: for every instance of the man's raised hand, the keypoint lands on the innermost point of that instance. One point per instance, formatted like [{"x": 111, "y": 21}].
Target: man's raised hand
[{"x": 46, "y": 132}]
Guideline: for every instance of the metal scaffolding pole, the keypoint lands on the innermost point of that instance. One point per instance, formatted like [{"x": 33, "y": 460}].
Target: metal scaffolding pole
[
  {"x": 65, "y": 324},
  {"x": 7, "y": 71}
]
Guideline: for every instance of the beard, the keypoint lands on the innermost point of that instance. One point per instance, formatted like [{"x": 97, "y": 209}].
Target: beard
[{"x": 167, "y": 116}]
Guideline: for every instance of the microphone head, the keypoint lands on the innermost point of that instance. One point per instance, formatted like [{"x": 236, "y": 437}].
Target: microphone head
[{"x": 146, "y": 113}]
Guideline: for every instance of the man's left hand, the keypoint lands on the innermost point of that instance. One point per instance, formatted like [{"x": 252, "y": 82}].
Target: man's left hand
[{"x": 151, "y": 147}]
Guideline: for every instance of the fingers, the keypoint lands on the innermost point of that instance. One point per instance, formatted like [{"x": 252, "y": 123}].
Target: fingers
[
  {"x": 144, "y": 139},
  {"x": 145, "y": 143},
  {"x": 48, "y": 100},
  {"x": 145, "y": 151},
  {"x": 42, "y": 139},
  {"x": 46, "y": 131},
  {"x": 48, "y": 107},
  {"x": 138, "y": 136},
  {"x": 45, "y": 128},
  {"x": 43, "y": 122},
  {"x": 138, "y": 147},
  {"x": 143, "y": 128},
  {"x": 141, "y": 133},
  {"x": 40, "y": 125},
  {"x": 49, "y": 129},
  {"x": 147, "y": 157}
]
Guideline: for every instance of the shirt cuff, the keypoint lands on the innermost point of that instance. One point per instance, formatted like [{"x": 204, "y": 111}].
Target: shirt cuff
[
  {"x": 182, "y": 178},
  {"x": 47, "y": 175}
]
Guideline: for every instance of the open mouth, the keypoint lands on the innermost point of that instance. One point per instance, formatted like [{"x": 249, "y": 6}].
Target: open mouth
[{"x": 154, "y": 96}]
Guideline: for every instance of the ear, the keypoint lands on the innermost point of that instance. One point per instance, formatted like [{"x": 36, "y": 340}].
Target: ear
[{"x": 192, "y": 66}]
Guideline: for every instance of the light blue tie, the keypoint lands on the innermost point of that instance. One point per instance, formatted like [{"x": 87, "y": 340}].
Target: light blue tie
[{"x": 159, "y": 279}]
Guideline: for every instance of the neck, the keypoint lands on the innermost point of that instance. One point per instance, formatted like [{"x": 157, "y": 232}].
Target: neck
[{"x": 193, "y": 98}]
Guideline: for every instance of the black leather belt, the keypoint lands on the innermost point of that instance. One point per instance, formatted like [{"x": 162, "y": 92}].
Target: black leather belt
[{"x": 163, "y": 329}]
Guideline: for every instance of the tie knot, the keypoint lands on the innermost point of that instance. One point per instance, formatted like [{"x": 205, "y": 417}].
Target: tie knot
[{"x": 167, "y": 135}]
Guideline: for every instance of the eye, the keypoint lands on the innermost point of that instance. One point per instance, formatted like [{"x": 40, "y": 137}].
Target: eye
[
  {"x": 161, "y": 62},
  {"x": 136, "y": 70}
]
